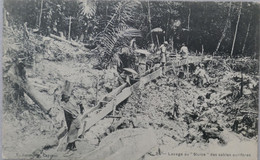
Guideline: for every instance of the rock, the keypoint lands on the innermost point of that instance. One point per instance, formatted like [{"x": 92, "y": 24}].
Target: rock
[
  {"x": 213, "y": 142},
  {"x": 37, "y": 153},
  {"x": 26, "y": 115},
  {"x": 92, "y": 138},
  {"x": 154, "y": 151},
  {"x": 168, "y": 140},
  {"x": 252, "y": 84},
  {"x": 91, "y": 91},
  {"x": 46, "y": 127},
  {"x": 247, "y": 91},
  {"x": 130, "y": 144},
  {"x": 244, "y": 133}
]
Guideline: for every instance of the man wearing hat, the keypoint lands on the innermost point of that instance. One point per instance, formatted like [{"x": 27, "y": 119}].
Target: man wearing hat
[
  {"x": 71, "y": 117},
  {"x": 163, "y": 49},
  {"x": 184, "y": 51}
]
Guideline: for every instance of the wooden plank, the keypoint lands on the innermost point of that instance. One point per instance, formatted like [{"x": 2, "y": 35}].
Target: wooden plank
[
  {"x": 111, "y": 94},
  {"x": 109, "y": 107},
  {"x": 116, "y": 91},
  {"x": 124, "y": 94},
  {"x": 148, "y": 78},
  {"x": 156, "y": 74}
]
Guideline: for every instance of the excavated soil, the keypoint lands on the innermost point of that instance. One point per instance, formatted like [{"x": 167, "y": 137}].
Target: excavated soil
[{"x": 26, "y": 129}]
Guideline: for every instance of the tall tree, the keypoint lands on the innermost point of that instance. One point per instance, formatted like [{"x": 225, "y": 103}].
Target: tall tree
[
  {"x": 235, "y": 35},
  {"x": 40, "y": 17},
  {"x": 247, "y": 31},
  {"x": 149, "y": 19},
  {"x": 225, "y": 29}
]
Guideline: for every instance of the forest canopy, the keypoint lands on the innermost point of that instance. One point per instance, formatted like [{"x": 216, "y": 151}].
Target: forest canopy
[{"x": 208, "y": 25}]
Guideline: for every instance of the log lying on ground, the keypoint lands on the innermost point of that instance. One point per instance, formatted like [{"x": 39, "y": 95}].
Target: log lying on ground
[
  {"x": 130, "y": 144},
  {"x": 64, "y": 40},
  {"x": 30, "y": 92},
  {"x": 35, "y": 99}
]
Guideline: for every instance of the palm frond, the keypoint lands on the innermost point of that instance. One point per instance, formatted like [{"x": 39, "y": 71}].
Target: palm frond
[
  {"x": 88, "y": 7},
  {"x": 117, "y": 32}
]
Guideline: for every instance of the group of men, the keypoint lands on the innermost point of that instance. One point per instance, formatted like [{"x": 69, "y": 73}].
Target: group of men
[
  {"x": 184, "y": 52},
  {"x": 200, "y": 73}
]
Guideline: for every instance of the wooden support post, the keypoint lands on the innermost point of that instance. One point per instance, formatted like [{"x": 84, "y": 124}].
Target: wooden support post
[
  {"x": 34, "y": 62},
  {"x": 173, "y": 45},
  {"x": 69, "y": 38},
  {"x": 157, "y": 40},
  {"x": 97, "y": 88},
  {"x": 241, "y": 85},
  {"x": 67, "y": 88},
  {"x": 187, "y": 71},
  {"x": 202, "y": 50}
]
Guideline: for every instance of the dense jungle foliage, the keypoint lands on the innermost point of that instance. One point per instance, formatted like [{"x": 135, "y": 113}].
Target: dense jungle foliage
[{"x": 213, "y": 26}]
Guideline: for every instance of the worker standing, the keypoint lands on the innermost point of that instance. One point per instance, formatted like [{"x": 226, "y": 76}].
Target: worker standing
[
  {"x": 163, "y": 49},
  {"x": 25, "y": 31},
  {"x": 20, "y": 69},
  {"x": 184, "y": 51},
  {"x": 71, "y": 117},
  {"x": 142, "y": 64},
  {"x": 202, "y": 77}
]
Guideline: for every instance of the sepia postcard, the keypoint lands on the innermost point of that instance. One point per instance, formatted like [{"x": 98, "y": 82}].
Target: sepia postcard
[{"x": 130, "y": 80}]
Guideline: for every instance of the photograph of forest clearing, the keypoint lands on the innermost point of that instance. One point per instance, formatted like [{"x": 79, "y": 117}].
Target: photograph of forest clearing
[{"x": 130, "y": 80}]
